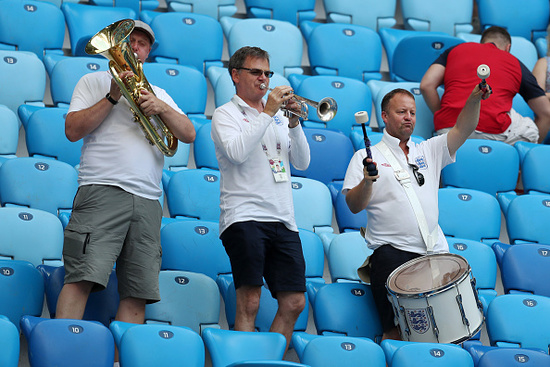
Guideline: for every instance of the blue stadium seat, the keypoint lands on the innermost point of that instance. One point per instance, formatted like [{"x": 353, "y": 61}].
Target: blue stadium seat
[
  {"x": 227, "y": 346},
  {"x": 135, "y": 5},
  {"x": 380, "y": 14},
  {"x": 67, "y": 342},
  {"x": 187, "y": 299},
  {"x": 167, "y": 345},
  {"x": 9, "y": 132},
  {"x": 346, "y": 220},
  {"x": 101, "y": 306},
  {"x": 312, "y": 205},
  {"x": 346, "y": 50},
  {"x": 67, "y": 72},
  {"x": 519, "y": 321},
  {"x": 194, "y": 246},
  {"x": 351, "y": 95},
  {"x": 194, "y": 193},
  {"x": 25, "y": 74},
  {"x": 31, "y": 235},
  {"x": 280, "y": 39},
  {"x": 9, "y": 351},
  {"x": 513, "y": 357},
  {"x": 214, "y": 8},
  {"x": 35, "y": 26},
  {"x": 178, "y": 161},
  {"x": 346, "y": 309},
  {"x": 314, "y": 256},
  {"x": 483, "y": 263},
  {"x": 204, "y": 150},
  {"x": 346, "y": 253},
  {"x": 292, "y": 11},
  {"x": 534, "y": 172},
  {"x": 541, "y": 45},
  {"x": 436, "y": 16},
  {"x": 469, "y": 214},
  {"x": 84, "y": 21},
  {"x": 44, "y": 184},
  {"x": 21, "y": 290},
  {"x": 195, "y": 31},
  {"x": 527, "y": 219},
  {"x": 529, "y": 21},
  {"x": 343, "y": 351},
  {"x": 409, "y": 354},
  {"x": 45, "y": 136}
]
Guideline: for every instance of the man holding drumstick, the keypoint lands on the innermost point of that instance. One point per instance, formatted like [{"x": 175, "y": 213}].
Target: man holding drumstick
[{"x": 394, "y": 229}]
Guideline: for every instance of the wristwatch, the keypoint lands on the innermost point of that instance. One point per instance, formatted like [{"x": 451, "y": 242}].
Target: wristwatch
[{"x": 110, "y": 99}]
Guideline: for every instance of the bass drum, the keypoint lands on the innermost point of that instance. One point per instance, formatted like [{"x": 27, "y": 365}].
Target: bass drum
[{"x": 435, "y": 300}]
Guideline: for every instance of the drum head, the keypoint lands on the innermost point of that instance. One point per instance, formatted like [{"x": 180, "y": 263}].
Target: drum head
[{"x": 426, "y": 274}]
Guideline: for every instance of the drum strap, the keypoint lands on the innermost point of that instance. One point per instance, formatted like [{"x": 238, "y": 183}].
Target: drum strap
[{"x": 405, "y": 180}]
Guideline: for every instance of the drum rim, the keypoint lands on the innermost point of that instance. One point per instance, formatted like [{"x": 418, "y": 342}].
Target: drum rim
[{"x": 433, "y": 291}]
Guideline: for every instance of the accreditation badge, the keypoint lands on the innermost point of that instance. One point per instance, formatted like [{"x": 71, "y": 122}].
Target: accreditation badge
[{"x": 278, "y": 169}]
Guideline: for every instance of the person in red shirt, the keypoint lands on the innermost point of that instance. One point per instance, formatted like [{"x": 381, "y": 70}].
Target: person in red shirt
[{"x": 455, "y": 68}]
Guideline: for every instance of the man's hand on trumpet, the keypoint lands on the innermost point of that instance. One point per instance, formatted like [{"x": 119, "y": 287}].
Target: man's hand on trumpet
[{"x": 282, "y": 96}]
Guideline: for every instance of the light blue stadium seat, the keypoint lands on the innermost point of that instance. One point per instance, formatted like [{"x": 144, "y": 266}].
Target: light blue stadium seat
[
  {"x": 178, "y": 161},
  {"x": 436, "y": 16},
  {"x": 292, "y": 11},
  {"x": 45, "y": 184},
  {"x": 408, "y": 354},
  {"x": 67, "y": 72},
  {"x": 25, "y": 75},
  {"x": 483, "y": 263},
  {"x": 35, "y": 26},
  {"x": 330, "y": 152},
  {"x": 9, "y": 351},
  {"x": 469, "y": 214},
  {"x": 149, "y": 345},
  {"x": 227, "y": 346},
  {"x": 31, "y": 235},
  {"x": 424, "y": 127},
  {"x": 314, "y": 256},
  {"x": 343, "y": 351},
  {"x": 380, "y": 14},
  {"x": 312, "y": 205},
  {"x": 523, "y": 147},
  {"x": 527, "y": 219},
  {"x": 67, "y": 342},
  {"x": 346, "y": 220},
  {"x": 214, "y": 8},
  {"x": 186, "y": 299},
  {"x": 194, "y": 193},
  {"x": 195, "y": 31},
  {"x": 135, "y": 5},
  {"x": 519, "y": 320},
  {"x": 346, "y": 253},
  {"x": 520, "y": 20},
  {"x": 346, "y": 50},
  {"x": 534, "y": 171},
  {"x": 9, "y": 132},
  {"x": 513, "y": 357},
  {"x": 346, "y": 309},
  {"x": 101, "y": 305},
  {"x": 194, "y": 246},
  {"x": 280, "y": 39},
  {"x": 45, "y": 136},
  {"x": 541, "y": 45},
  {"x": 351, "y": 95},
  {"x": 186, "y": 85},
  {"x": 21, "y": 290},
  {"x": 204, "y": 150}
]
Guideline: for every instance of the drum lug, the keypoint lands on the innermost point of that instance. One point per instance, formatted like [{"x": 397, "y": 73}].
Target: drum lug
[
  {"x": 432, "y": 319},
  {"x": 462, "y": 312},
  {"x": 478, "y": 302},
  {"x": 407, "y": 330}
]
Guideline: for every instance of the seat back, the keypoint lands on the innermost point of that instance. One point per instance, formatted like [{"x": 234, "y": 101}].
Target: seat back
[
  {"x": 292, "y": 11},
  {"x": 346, "y": 220},
  {"x": 31, "y": 235},
  {"x": 428, "y": 354},
  {"x": 346, "y": 50},
  {"x": 9, "y": 351},
  {"x": 343, "y": 351},
  {"x": 381, "y": 14},
  {"x": 44, "y": 184},
  {"x": 525, "y": 268},
  {"x": 527, "y": 219},
  {"x": 314, "y": 255},
  {"x": 312, "y": 204},
  {"x": 195, "y": 293},
  {"x": 533, "y": 173},
  {"x": 204, "y": 149},
  {"x": 479, "y": 209},
  {"x": 35, "y": 26},
  {"x": 347, "y": 252},
  {"x": 214, "y": 8},
  {"x": 9, "y": 132},
  {"x": 436, "y": 16},
  {"x": 513, "y": 357}
]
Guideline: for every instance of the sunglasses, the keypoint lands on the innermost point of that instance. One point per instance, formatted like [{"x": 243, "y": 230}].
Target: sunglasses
[
  {"x": 258, "y": 72},
  {"x": 419, "y": 176}
]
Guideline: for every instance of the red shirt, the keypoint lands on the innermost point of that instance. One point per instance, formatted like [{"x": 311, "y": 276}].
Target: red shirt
[{"x": 508, "y": 77}]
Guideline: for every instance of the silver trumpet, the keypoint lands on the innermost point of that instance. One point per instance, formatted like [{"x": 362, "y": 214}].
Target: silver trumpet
[{"x": 326, "y": 108}]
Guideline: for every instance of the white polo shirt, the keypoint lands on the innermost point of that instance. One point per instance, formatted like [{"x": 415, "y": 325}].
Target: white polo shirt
[
  {"x": 248, "y": 190},
  {"x": 390, "y": 216}
]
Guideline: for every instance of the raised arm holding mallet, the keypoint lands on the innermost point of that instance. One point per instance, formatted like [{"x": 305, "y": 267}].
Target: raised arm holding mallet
[{"x": 362, "y": 117}]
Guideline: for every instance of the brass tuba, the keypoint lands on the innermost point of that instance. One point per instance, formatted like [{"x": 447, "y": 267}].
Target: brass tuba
[{"x": 113, "y": 42}]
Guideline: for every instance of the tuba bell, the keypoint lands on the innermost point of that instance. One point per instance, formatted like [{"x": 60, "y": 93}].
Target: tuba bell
[{"x": 113, "y": 43}]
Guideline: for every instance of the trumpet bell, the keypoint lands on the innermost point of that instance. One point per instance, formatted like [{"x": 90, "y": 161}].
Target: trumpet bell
[{"x": 327, "y": 109}]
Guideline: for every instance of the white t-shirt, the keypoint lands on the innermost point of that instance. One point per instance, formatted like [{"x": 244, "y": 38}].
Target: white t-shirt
[
  {"x": 248, "y": 190},
  {"x": 390, "y": 216},
  {"x": 117, "y": 152}
]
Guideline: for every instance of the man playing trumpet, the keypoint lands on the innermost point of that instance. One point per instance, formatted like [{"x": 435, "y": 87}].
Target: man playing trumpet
[{"x": 255, "y": 144}]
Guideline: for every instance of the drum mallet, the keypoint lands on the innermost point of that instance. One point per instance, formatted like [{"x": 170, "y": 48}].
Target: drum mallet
[
  {"x": 483, "y": 73},
  {"x": 362, "y": 117}
]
